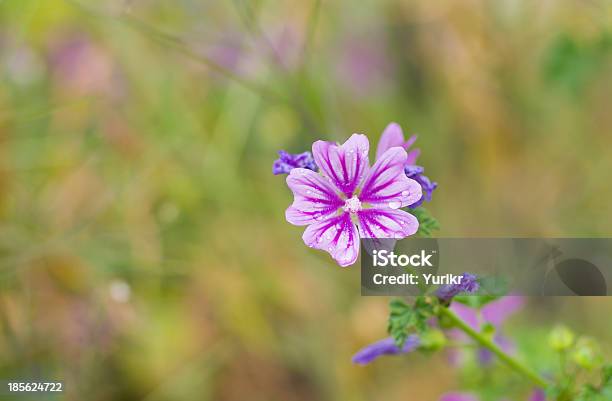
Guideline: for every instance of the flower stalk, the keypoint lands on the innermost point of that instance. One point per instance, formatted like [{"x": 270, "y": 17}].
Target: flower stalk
[{"x": 494, "y": 348}]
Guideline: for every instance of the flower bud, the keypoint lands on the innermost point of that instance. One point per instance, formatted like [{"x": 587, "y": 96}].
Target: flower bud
[
  {"x": 432, "y": 340},
  {"x": 561, "y": 338},
  {"x": 586, "y": 354}
]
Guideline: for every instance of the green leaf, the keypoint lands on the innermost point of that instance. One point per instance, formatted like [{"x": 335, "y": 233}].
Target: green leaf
[
  {"x": 400, "y": 318},
  {"x": 589, "y": 393},
  {"x": 427, "y": 224},
  {"x": 562, "y": 391},
  {"x": 606, "y": 374},
  {"x": 405, "y": 319}
]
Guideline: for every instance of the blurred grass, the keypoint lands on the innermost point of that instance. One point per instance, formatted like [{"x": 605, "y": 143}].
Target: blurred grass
[{"x": 136, "y": 142}]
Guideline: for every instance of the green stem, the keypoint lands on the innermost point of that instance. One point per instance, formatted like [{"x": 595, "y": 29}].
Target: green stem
[{"x": 491, "y": 346}]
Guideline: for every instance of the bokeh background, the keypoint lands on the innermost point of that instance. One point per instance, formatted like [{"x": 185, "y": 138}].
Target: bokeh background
[{"x": 144, "y": 253}]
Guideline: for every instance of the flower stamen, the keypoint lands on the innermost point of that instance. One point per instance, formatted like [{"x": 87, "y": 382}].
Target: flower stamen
[{"x": 352, "y": 205}]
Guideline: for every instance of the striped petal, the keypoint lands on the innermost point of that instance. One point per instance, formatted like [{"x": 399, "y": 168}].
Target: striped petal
[
  {"x": 315, "y": 199},
  {"x": 344, "y": 165},
  {"x": 386, "y": 223},
  {"x": 391, "y": 137},
  {"x": 336, "y": 235},
  {"x": 386, "y": 185}
]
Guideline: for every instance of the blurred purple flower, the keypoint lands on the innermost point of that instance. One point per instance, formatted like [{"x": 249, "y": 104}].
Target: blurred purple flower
[
  {"x": 286, "y": 43},
  {"x": 287, "y": 162},
  {"x": 495, "y": 313},
  {"x": 384, "y": 347},
  {"x": 498, "y": 311},
  {"x": 82, "y": 66},
  {"x": 337, "y": 213},
  {"x": 469, "y": 284},
  {"x": 485, "y": 356},
  {"x": 538, "y": 395},
  {"x": 227, "y": 54},
  {"x": 278, "y": 49},
  {"x": 363, "y": 66},
  {"x": 394, "y": 136}
]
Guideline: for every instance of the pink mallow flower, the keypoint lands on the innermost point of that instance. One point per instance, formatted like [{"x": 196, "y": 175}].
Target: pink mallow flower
[
  {"x": 348, "y": 200},
  {"x": 394, "y": 136}
]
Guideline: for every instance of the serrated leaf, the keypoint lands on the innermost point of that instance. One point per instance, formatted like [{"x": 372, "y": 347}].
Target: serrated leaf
[
  {"x": 427, "y": 223},
  {"x": 404, "y": 319},
  {"x": 400, "y": 318}
]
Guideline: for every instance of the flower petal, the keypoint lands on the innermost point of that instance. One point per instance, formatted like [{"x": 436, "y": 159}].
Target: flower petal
[
  {"x": 386, "y": 184},
  {"x": 344, "y": 165},
  {"x": 485, "y": 356},
  {"x": 386, "y": 223},
  {"x": 496, "y": 312},
  {"x": 314, "y": 198},
  {"x": 288, "y": 161},
  {"x": 427, "y": 187},
  {"x": 413, "y": 155},
  {"x": 385, "y": 346},
  {"x": 391, "y": 137},
  {"x": 469, "y": 315},
  {"x": 538, "y": 395},
  {"x": 469, "y": 285},
  {"x": 336, "y": 235}
]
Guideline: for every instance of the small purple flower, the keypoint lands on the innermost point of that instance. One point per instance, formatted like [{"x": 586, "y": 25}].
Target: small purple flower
[
  {"x": 494, "y": 313},
  {"x": 416, "y": 173},
  {"x": 287, "y": 162},
  {"x": 350, "y": 200},
  {"x": 394, "y": 136},
  {"x": 384, "y": 347},
  {"x": 469, "y": 284}
]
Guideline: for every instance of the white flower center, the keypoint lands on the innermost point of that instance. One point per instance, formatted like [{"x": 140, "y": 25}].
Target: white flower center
[{"x": 352, "y": 205}]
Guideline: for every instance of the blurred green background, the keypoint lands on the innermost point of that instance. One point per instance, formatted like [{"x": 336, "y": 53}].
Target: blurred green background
[{"x": 144, "y": 253}]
